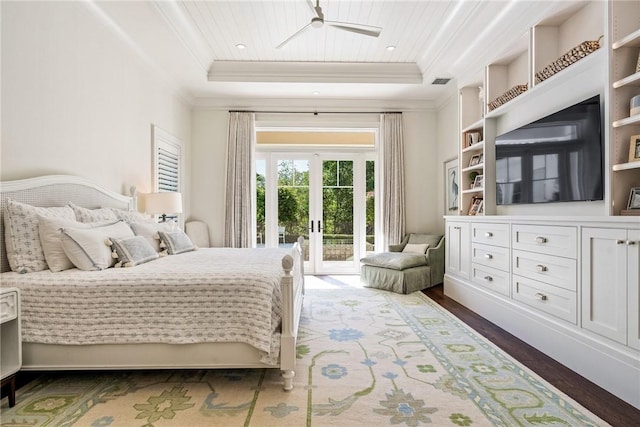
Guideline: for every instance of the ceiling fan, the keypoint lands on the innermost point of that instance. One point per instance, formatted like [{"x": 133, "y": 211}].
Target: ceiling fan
[{"x": 318, "y": 21}]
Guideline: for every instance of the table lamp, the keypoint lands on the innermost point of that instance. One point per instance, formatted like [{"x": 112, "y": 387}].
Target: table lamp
[{"x": 164, "y": 203}]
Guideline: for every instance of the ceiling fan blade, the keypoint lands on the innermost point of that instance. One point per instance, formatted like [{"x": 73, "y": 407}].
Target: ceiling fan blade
[
  {"x": 367, "y": 30},
  {"x": 297, "y": 33}
]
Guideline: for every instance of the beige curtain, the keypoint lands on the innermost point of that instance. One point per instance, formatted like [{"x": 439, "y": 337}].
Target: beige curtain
[
  {"x": 393, "y": 203},
  {"x": 238, "y": 210}
]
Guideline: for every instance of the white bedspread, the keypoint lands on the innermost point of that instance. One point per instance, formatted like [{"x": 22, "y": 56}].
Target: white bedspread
[{"x": 210, "y": 295}]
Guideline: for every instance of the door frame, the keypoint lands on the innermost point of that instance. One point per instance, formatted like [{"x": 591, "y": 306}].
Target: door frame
[{"x": 360, "y": 156}]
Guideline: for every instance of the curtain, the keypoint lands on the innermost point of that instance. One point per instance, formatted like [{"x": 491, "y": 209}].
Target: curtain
[
  {"x": 238, "y": 209},
  {"x": 393, "y": 203}
]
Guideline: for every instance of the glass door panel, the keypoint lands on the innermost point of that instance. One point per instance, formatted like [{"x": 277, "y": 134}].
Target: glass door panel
[
  {"x": 337, "y": 211},
  {"x": 293, "y": 202}
]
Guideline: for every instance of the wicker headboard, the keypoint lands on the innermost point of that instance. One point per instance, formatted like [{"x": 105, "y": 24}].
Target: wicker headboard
[{"x": 56, "y": 190}]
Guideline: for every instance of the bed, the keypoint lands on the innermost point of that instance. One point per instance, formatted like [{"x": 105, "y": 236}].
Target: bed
[{"x": 209, "y": 308}]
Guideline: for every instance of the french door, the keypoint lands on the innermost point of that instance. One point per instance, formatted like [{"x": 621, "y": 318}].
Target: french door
[{"x": 328, "y": 198}]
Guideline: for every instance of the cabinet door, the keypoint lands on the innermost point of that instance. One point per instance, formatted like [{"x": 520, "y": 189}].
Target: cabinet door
[
  {"x": 458, "y": 249},
  {"x": 604, "y": 282},
  {"x": 633, "y": 271}
]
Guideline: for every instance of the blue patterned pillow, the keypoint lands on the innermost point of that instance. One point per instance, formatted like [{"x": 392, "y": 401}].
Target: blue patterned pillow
[
  {"x": 132, "y": 251},
  {"x": 176, "y": 242}
]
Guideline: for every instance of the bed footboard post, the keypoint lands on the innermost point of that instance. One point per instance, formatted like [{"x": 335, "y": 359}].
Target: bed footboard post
[{"x": 288, "y": 380}]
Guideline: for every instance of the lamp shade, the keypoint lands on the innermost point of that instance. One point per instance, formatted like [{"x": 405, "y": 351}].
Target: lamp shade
[{"x": 163, "y": 203}]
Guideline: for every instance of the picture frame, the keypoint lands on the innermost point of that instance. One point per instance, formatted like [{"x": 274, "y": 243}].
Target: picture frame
[
  {"x": 475, "y": 160},
  {"x": 638, "y": 64},
  {"x": 634, "y": 198},
  {"x": 472, "y": 138},
  {"x": 452, "y": 187},
  {"x": 476, "y": 205},
  {"x": 634, "y": 148},
  {"x": 478, "y": 182}
]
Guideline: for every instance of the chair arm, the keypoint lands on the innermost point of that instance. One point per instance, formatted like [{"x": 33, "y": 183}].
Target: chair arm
[
  {"x": 435, "y": 258},
  {"x": 397, "y": 248}
]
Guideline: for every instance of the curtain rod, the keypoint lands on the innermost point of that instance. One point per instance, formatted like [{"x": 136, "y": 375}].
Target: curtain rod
[{"x": 315, "y": 113}]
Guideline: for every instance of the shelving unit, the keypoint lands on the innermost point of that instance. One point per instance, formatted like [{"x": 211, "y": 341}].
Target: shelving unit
[
  {"x": 625, "y": 83},
  {"x": 620, "y": 47},
  {"x": 472, "y": 146}
]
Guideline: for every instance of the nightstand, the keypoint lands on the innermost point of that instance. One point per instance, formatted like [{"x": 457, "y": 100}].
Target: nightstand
[{"x": 10, "y": 340}]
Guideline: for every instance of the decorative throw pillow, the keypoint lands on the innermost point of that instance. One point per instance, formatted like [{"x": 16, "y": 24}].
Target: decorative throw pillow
[
  {"x": 149, "y": 230},
  {"x": 50, "y": 233},
  {"x": 88, "y": 248},
  {"x": 132, "y": 251},
  {"x": 130, "y": 216},
  {"x": 415, "y": 248},
  {"x": 92, "y": 215},
  {"x": 176, "y": 242},
  {"x": 24, "y": 251}
]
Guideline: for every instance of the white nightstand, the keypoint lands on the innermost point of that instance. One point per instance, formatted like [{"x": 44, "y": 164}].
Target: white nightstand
[{"x": 10, "y": 339}]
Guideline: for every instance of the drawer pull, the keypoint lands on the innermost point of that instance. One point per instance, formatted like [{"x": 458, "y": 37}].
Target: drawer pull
[
  {"x": 541, "y": 268},
  {"x": 620, "y": 242},
  {"x": 456, "y": 228},
  {"x": 488, "y": 256},
  {"x": 541, "y": 239},
  {"x": 488, "y": 234},
  {"x": 631, "y": 242},
  {"x": 488, "y": 278},
  {"x": 541, "y": 297}
]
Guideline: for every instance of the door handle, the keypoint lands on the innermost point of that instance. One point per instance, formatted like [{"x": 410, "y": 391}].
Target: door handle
[
  {"x": 319, "y": 226},
  {"x": 312, "y": 226}
]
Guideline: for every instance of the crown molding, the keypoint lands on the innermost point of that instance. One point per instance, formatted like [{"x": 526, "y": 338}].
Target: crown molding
[{"x": 315, "y": 72}]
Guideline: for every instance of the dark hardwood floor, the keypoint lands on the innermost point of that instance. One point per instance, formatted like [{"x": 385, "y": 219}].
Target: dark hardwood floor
[{"x": 599, "y": 401}]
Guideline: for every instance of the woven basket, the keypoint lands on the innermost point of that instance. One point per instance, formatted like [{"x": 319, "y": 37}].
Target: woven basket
[
  {"x": 574, "y": 55},
  {"x": 507, "y": 96}
]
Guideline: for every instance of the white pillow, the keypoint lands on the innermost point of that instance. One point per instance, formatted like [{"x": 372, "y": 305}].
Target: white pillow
[
  {"x": 50, "y": 233},
  {"x": 22, "y": 241},
  {"x": 133, "y": 251},
  {"x": 130, "y": 216},
  {"x": 88, "y": 248},
  {"x": 149, "y": 230},
  {"x": 176, "y": 242},
  {"x": 415, "y": 248},
  {"x": 93, "y": 215}
]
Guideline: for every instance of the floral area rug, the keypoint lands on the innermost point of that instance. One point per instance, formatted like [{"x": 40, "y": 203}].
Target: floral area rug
[{"x": 365, "y": 358}]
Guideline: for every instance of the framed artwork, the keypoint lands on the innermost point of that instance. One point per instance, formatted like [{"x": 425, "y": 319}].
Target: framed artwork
[
  {"x": 634, "y": 198},
  {"x": 451, "y": 180},
  {"x": 475, "y": 159},
  {"x": 476, "y": 206},
  {"x": 478, "y": 182},
  {"x": 634, "y": 148},
  {"x": 638, "y": 64}
]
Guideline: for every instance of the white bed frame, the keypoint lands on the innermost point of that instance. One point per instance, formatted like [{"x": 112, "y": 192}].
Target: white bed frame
[{"x": 58, "y": 190}]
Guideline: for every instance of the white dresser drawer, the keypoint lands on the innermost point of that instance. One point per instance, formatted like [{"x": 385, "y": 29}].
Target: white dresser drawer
[
  {"x": 490, "y": 234},
  {"x": 8, "y": 306},
  {"x": 490, "y": 278},
  {"x": 550, "y": 240},
  {"x": 491, "y": 256},
  {"x": 556, "y": 301},
  {"x": 554, "y": 270}
]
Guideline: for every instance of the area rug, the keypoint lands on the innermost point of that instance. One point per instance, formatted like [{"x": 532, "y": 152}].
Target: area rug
[{"x": 365, "y": 358}]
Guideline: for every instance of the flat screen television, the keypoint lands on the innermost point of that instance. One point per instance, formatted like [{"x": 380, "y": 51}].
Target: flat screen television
[{"x": 555, "y": 159}]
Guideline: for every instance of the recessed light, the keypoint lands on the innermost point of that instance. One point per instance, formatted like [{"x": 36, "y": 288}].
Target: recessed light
[
  {"x": 315, "y": 92},
  {"x": 241, "y": 46},
  {"x": 390, "y": 48}
]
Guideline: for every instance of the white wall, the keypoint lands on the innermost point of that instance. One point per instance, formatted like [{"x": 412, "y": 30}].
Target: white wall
[
  {"x": 448, "y": 143},
  {"x": 76, "y": 99}
]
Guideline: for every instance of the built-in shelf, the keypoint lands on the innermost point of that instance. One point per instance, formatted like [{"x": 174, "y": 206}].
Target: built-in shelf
[
  {"x": 631, "y": 40},
  {"x": 473, "y": 190},
  {"x": 475, "y": 147},
  {"x": 474, "y": 168},
  {"x": 474, "y": 126},
  {"x": 585, "y": 64},
  {"x": 626, "y": 121},
  {"x": 632, "y": 80},
  {"x": 626, "y": 166}
]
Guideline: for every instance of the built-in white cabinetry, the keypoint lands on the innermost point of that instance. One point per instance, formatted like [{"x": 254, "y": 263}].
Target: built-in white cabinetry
[
  {"x": 457, "y": 249},
  {"x": 567, "y": 286},
  {"x": 610, "y": 282}
]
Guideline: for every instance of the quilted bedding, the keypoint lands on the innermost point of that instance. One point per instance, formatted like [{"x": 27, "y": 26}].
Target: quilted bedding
[{"x": 210, "y": 295}]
